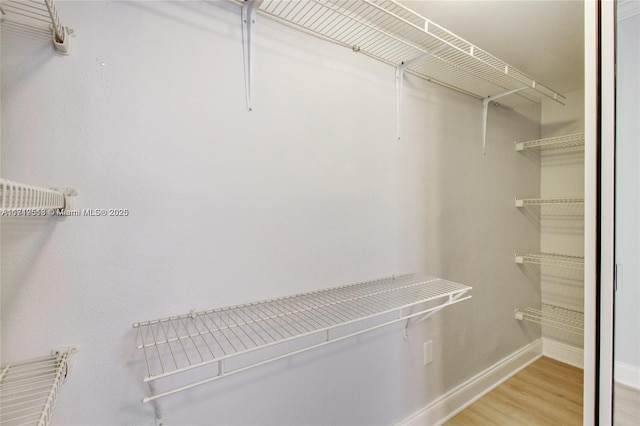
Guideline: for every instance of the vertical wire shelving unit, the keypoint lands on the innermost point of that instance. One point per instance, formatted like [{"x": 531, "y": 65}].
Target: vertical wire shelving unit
[{"x": 546, "y": 314}]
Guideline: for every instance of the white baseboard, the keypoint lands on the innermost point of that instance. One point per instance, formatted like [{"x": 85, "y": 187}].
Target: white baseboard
[
  {"x": 459, "y": 398},
  {"x": 626, "y": 374},
  {"x": 562, "y": 352}
]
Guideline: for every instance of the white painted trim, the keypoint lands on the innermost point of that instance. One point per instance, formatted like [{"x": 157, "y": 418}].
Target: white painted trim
[
  {"x": 627, "y": 9},
  {"x": 562, "y": 352},
  {"x": 627, "y": 374},
  {"x": 459, "y": 398}
]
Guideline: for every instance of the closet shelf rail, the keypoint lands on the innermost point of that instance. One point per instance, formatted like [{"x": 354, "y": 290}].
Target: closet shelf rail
[
  {"x": 552, "y": 259},
  {"x": 557, "y": 142},
  {"x": 225, "y": 341},
  {"x": 19, "y": 197},
  {"x": 390, "y": 32},
  {"x": 39, "y": 17},
  {"x": 30, "y": 389},
  {"x": 553, "y": 316},
  {"x": 523, "y": 202}
]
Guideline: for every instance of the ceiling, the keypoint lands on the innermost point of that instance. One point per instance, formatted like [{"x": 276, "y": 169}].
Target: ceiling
[{"x": 542, "y": 38}]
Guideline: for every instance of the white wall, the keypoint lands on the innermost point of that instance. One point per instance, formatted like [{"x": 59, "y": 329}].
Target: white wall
[
  {"x": 627, "y": 315},
  {"x": 309, "y": 190}
]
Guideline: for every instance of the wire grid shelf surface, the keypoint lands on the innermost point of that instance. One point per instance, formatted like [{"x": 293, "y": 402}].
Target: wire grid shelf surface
[
  {"x": 20, "y": 196},
  {"x": 575, "y": 262},
  {"x": 29, "y": 390},
  {"x": 554, "y": 316},
  {"x": 394, "y": 34},
  {"x": 37, "y": 16},
  {"x": 175, "y": 344},
  {"x": 558, "y": 142},
  {"x": 522, "y": 202}
]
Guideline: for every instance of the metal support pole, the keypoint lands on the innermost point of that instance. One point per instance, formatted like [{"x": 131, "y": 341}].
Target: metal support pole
[{"x": 249, "y": 8}]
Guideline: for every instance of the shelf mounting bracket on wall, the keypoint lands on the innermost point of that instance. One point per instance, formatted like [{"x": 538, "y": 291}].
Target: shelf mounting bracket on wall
[
  {"x": 400, "y": 78},
  {"x": 485, "y": 111},
  {"x": 249, "y": 8}
]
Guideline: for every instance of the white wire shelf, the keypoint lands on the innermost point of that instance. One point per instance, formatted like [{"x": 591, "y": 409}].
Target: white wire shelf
[
  {"x": 553, "y": 259},
  {"x": 394, "y": 34},
  {"x": 553, "y": 316},
  {"x": 558, "y": 142},
  {"x": 261, "y": 332},
  {"x": 523, "y": 202},
  {"x": 29, "y": 389},
  {"x": 19, "y": 197},
  {"x": 37, "y": 17}
]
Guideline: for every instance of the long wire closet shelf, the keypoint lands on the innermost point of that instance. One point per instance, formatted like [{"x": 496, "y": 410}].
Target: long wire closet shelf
[
  {"x": 29, "y": 389},
  {"x": 553, "y": 316},
  {"x": 394, "y": 34},
  {"x": 552, "y": 259},
  {"x": 19, "y": 198},
  {"x": 220, "y": 342},
  {"x": 566, "y": 141},
  {"x": 37, "y": 17},
  {"x": 524, "y": 202}
]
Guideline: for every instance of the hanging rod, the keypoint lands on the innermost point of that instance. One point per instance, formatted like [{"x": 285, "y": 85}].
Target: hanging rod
[
  {"x": 392, "y": 33},
  {"x": 38, "y": 16},
  {"x": 246, "y": 336},
  {"x": 18, "y": 197},
  {"x": 553, "y": 316},
  {"x": 558, "y": 142},
  {"x": 30, "y": 389},
  {"x": 523, "y": 202},
  {"x": 553, "y": 259}
]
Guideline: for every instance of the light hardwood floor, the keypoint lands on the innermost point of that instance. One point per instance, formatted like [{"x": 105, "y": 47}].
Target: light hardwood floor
[
  {"x": 626, "y": 403},
  {"x": 547, "y": 392}
]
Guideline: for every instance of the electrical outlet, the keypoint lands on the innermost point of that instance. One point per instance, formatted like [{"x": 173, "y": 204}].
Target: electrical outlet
[{"x": 428, "y": 352}]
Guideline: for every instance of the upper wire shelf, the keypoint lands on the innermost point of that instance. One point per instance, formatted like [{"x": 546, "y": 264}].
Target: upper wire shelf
[
  {"x": 553, "y": 259},
  {"x": 565, "y": 141},
  {"x": 30, "y": 388},
  {"x": 19, "y": 197},
  {"x": 237, "y": 338},
  {"x": 396, "y": 35},
  {"x": 553, "y": 316},
  {"x": 39, "y": 17},
  {"x": 523, "y": 202}
]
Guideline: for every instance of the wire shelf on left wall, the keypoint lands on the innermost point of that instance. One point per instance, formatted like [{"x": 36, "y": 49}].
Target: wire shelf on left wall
[{"x": 29, "y": 389}]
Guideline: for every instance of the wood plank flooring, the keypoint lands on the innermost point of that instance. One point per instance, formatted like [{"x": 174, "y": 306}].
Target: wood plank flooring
[
  {"x": 626, "y": 404},
  {"x": 547, "y": 392}
]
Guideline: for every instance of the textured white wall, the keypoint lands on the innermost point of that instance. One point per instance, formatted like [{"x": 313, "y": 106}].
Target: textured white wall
[
  {"x": 309, "y": 190},
  {"x": 627, "y": 338}
]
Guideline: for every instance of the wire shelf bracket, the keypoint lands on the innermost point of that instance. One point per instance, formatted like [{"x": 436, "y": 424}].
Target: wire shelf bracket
[
  {"x": 557, "y": 142},
  {"x": 524, "y": 202},
  {"x": 553, "y": 316},
  {"x": 40, "y": 16},
  {"x": 485, "y": 113},
  {"x": 30, "y": 389},
  {"x": 248, "y": 16},
  {"x": 22, "y": 198},
  {"x": 235, "y": 339},
  {"x": 552, "y": 259}
]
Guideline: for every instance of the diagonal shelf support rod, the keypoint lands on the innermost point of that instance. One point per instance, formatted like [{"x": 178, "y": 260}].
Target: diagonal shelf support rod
[
  {"x": 400, "y": 69},
  {"x": 452, "y": 299},
  {"x": 248, "y": 15},
  {"x": 485, "y": 111}
]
